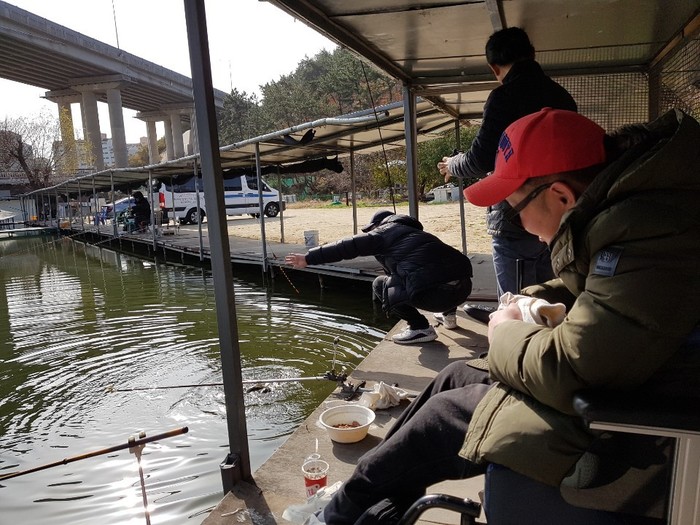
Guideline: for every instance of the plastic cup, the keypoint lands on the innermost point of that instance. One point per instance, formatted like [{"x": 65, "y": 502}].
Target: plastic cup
[{"x": 315, "y": 475}]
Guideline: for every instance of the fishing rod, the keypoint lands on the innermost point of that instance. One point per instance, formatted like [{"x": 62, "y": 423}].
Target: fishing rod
[
  {"x": 331, "y": 375},
  {"x": 111, "y": 388},
  {"x": 132, "y": 442}
]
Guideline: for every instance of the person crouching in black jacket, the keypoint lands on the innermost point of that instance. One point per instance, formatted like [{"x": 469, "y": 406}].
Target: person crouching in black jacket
[{"x": 421, "y": 271}]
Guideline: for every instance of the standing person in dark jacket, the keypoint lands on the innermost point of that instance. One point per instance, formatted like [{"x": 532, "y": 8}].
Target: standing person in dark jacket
[
  {"x": 421, "y": 271},
  {"x": 524, "y": 89}
]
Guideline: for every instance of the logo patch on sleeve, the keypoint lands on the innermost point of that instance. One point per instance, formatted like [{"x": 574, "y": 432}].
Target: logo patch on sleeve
[{"x": 606, "y": 261}]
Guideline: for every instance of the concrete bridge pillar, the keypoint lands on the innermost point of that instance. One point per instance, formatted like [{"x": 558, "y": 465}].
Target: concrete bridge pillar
[
  {"x": 116, "y": 121},
  {"x": 153, "y": 156},
  {"x": 176, "y": 127},
  {"x": 71, "y": 154},
  {"x": 172, "y": 118},
  {"x": 169, "y": 150},
  {"x": 91, "y": 127}
]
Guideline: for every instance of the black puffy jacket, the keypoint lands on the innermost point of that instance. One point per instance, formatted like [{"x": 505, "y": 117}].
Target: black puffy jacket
[
  {"x": 414, "y": 259},
  {"x": 525, "y": 89}
]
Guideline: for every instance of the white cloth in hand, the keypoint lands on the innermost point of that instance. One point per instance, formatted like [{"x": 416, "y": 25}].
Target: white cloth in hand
[
  {"x": 533, "y": 310},
  {"x": 382, "y": 396}
]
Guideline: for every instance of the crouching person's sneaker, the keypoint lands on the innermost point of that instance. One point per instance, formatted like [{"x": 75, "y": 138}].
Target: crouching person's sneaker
[
  {"x": 449, "y": 321},
  {"x": 408, "y": 336}
]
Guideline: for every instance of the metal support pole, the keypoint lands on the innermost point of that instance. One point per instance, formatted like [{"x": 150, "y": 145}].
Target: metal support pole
[
  {"x": 172, "y": 197},
  {"x": 353, "y": 189},
  {"x": 460, "y": 182},
  {"x": 153, "y": 209},
  {"x": 80, "y": 207},
  {"x": 199, "y": 213},
  {"x": 236, "y": 466},
  {"x": 279, "y": 185},
  {"x": 258, "y": 174},
  {"x": 96, "y": 201},
  {"x": 654, "y": 93},
  {"x": 114, "y": 211},
  {"x": 409, "y": 121}
]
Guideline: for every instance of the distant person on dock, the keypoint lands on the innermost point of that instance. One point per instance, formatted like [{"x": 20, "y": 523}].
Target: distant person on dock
[
  {"x": 620, "y": 214},
  {"x": 141, "y": 211},
  {"x": 421, "y": 272}
]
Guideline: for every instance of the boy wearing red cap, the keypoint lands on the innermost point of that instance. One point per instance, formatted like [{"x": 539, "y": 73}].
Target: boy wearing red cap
[{"x": 620, "y": 214}]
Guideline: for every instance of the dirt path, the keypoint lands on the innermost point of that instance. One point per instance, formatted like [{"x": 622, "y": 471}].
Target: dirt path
[{"x": 337, "y": 222}]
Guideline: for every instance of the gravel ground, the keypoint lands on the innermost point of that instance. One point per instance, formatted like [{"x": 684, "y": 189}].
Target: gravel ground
[{"x": 335, "y": 222}]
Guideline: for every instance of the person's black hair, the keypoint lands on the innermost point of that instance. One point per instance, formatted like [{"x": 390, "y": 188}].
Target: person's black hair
[
  {"x": 137, "y": 195},
  {"x": 508, "y": 46}
]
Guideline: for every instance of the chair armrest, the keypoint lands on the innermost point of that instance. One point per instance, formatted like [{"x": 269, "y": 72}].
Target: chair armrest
[{"x": 626, "y": 412}]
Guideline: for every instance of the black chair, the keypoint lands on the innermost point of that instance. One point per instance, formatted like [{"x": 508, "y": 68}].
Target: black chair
[
  {"x": 677, "y": 421},
  {"x": 650, "y": 477}
]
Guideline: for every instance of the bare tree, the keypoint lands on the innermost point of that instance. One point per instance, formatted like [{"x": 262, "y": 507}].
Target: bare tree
[{"x": 31, "y": 146}]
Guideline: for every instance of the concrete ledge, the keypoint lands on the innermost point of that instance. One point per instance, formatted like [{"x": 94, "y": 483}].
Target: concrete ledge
[{"x": 278, "y": 483}]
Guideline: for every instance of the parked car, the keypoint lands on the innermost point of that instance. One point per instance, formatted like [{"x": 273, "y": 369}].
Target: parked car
[
  {"x": 240, "y": 196},
  {"x": 121, "y": 207}
]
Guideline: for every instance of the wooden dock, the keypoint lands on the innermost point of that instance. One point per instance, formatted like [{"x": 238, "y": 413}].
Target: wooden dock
[
  {"x": 9, "y": 233},
  {"x": 183, "y": 245}
]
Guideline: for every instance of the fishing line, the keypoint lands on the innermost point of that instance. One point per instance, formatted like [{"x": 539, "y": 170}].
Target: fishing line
[
  {"x": 381, "y": 139},
  {"x": 111, "y": 388},
  {"x": 42, "y": 245},
  {"x": 274, "y": 256}
]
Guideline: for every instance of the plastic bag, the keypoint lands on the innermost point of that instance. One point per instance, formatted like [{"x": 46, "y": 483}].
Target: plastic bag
[{"x": 299, "y": 514}]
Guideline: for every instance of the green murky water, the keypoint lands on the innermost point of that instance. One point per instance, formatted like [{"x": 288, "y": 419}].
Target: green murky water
[{"x": 77, "y": 322}]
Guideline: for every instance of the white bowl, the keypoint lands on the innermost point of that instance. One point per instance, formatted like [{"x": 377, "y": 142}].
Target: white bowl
[{"x": 347, "y": 415}]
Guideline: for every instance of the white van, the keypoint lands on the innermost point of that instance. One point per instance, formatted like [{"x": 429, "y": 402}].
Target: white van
[{"x": 240, "y": 197}]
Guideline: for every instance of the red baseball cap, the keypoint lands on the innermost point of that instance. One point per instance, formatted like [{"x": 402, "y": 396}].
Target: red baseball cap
[{"x": 543, "y": 143}]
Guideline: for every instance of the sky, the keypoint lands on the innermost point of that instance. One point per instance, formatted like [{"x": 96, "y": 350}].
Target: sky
[{"x": 251, "y": 43}]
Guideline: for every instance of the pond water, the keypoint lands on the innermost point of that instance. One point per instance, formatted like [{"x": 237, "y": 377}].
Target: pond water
[{"x": 79, "y": 326}]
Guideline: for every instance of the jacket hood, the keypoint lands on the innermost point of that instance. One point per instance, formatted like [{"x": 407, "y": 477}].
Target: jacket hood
[
  {"x": 401, "y": 219},
  {"x": 677, "y": 136},
  {"x": 672, "y": 147}
]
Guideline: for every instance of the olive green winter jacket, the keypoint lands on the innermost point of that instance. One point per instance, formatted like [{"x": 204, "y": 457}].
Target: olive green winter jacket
[{"x": 629, "y": 252}]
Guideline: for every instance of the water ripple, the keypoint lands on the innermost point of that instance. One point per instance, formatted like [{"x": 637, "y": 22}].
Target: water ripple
[{"x": 82, "y": 326}]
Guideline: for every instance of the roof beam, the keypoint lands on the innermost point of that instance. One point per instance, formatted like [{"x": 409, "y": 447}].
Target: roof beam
[
  {"x": 679, "y": 39},
  {"x": 495, "y": 11},
  {"x": 319, "y": 21}
]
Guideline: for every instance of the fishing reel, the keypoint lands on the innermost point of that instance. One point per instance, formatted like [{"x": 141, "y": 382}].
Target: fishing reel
[{"x": 345, "y": 388}]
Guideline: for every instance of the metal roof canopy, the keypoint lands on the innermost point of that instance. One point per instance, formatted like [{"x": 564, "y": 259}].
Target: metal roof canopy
[
  {"x": 366, "y": 131},
  {"x": 436, "y": 47}
]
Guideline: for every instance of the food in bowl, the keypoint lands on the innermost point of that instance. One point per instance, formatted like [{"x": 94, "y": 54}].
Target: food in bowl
[
  {"x": 347, "y": 423},
  {"x": 354, "y": 424}
]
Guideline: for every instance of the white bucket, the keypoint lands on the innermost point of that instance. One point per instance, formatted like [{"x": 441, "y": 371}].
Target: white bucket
[{"x": 311, "y": 238}]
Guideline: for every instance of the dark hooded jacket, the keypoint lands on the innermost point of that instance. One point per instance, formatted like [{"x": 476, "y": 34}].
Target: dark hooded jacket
[
  {"x": 141, "y": 210},
  {"x": 525, "y": 89},
  {"x": 628, "y": 252},
  {"x": 413, "y": 259}
]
